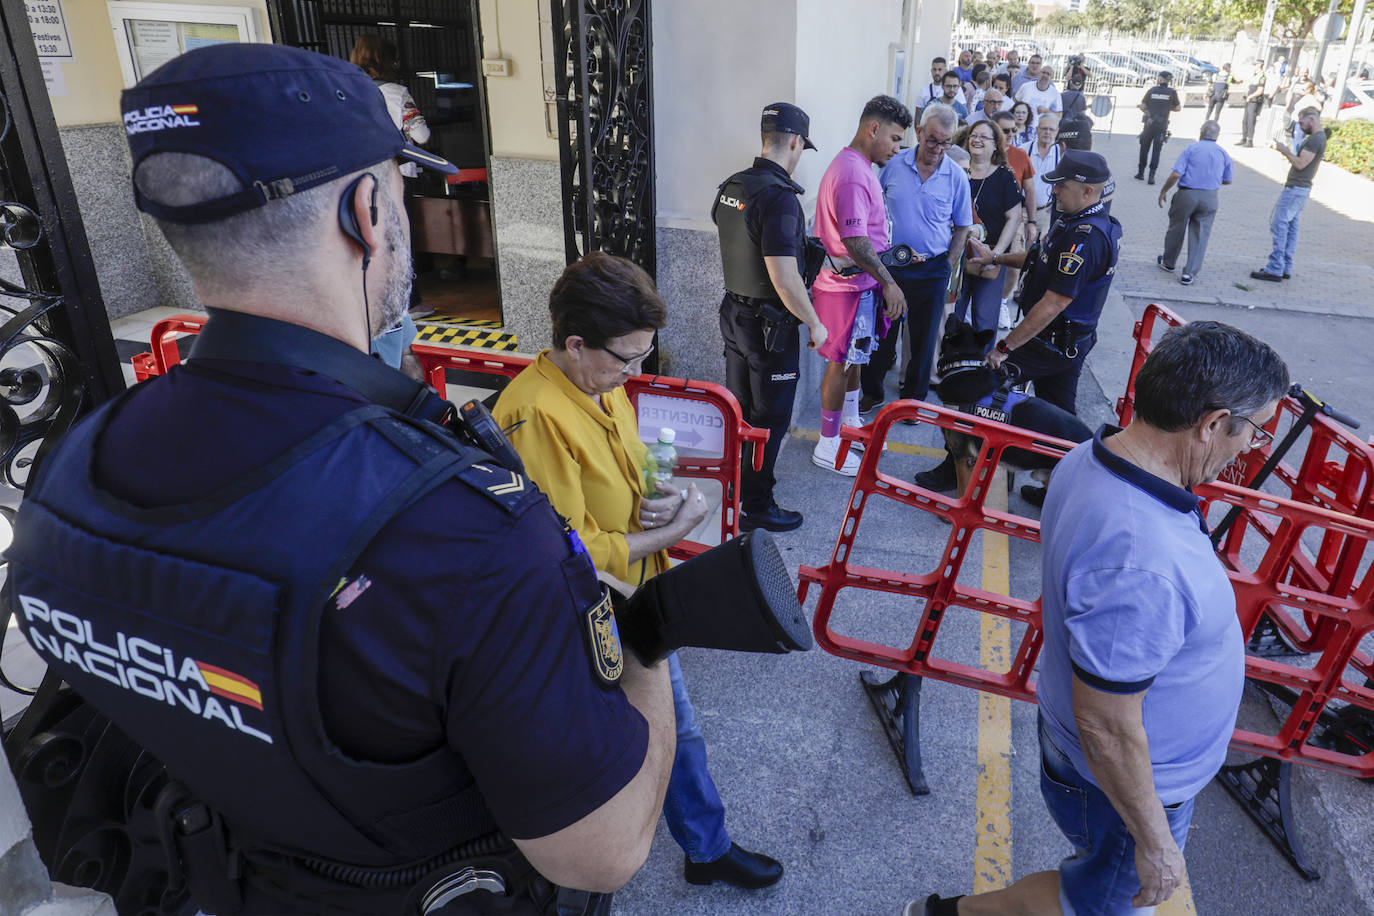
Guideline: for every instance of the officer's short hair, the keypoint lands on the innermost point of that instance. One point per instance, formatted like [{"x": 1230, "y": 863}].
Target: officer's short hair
[
  {"x": 887, "y": 110},
  {"x": 1204, "y": 366},
  {"x": 602, "y": 297},
  {"x": 776, "y": 139},
  {"x": 262, "y": 243}
]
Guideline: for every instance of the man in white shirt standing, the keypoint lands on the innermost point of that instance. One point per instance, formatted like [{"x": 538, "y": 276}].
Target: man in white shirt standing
[
  {"x": 1041, "y": 94},
  {"x": 1044, "y": 152},
  {"x": 931, "y": 91}
]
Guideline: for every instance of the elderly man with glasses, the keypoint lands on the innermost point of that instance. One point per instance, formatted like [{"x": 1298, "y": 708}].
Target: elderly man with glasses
[
  {"x": 930, "y": 206},
  {"x": 1144, "y": 660}
]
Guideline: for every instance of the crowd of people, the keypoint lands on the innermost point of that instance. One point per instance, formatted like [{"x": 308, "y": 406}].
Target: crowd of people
[{"x": 420, "y": 692}]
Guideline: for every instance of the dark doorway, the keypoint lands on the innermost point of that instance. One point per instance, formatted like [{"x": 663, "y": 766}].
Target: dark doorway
[{"x": 438, "y": 50}]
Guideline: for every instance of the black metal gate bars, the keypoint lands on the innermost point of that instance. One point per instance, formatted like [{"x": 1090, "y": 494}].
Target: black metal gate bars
[{"x": 604, "y": 90}]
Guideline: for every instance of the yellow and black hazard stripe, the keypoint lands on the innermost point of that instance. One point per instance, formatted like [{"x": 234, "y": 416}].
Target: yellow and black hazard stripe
[
  {"x": 463, "y": 336},
  {"x": 440, "y": 318}
]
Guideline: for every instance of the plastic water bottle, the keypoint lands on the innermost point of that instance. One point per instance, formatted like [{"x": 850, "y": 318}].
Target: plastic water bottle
[{"x": 660, "y": 462}]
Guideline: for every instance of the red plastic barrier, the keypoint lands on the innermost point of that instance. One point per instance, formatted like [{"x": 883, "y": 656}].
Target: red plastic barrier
[
  {"x": 940, "y": 587},
  {"x": 1267, "y": 582},
  {"x": 725, "y": 469},
  {"x": 1330, "y": 468},
  {"x": 436, "y": 361}
]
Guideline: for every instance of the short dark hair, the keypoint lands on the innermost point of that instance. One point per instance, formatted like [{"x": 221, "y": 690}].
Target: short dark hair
[
  {"x": 950, "y": 74},
  {"x": 938, "y": 60},
  {"x": 602, "y": 297},
  {"x": 886, "y": 109},
  {"x": 1003, "y": 115},
  {"x": 1205, "y": 366},
  {"x": 775, "y": 139}
]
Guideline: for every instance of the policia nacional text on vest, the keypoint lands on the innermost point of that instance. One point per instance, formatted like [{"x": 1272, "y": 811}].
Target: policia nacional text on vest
[{"x": 229, "y": 688}]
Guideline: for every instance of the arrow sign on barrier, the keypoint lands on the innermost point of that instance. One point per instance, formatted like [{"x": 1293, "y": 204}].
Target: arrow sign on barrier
[{"x": 699, "y": 425}]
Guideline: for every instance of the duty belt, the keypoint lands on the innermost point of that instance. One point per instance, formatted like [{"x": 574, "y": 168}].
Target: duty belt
[
  {"x": 753, "y": 302},
  {"x": 1063, "y": 336}
]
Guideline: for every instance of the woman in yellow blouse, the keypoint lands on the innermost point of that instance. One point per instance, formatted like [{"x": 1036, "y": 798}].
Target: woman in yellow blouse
[{"x": 569, "y": 418}]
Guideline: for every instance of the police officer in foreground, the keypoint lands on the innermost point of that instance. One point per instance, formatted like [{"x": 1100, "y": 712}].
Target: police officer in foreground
[
  {"x": 1159, "y": 102},
  {"x": 1065, "y": 286},
  {"x": 369, "y": 653},
  {"x": 762, "y": 250}
]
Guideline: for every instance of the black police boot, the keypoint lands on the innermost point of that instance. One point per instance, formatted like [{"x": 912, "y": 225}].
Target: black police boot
[
  {"x": 1152, "y": 178},
  {"x": 1140, "y": 175},
  {"x": 740, "y": 867},
  {"x": 774, "y": 518},
  {"x": 939, "y": 478}
]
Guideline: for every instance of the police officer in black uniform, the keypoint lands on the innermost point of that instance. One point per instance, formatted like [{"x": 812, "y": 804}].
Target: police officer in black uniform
[
  {"x": 762, "y": 250},
  {"x": 350, "y": 638},
  {"x": 1066, "y": 286},
  {"x": 1159, "y": 102}
]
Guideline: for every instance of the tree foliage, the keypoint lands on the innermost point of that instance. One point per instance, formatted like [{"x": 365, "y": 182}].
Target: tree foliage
[
  {"x": 1123, "y": 15},
  {"x": 1012, "y": 15},
  {"x": 1066, "y": 21},
  {"x": 1292, "y": 18}
]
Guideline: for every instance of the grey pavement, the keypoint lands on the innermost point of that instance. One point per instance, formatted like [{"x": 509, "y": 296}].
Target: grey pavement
[{"x": 806, "y": 772}]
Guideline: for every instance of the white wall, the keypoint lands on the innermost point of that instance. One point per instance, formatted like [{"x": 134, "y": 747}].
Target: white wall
[
  {"x": 842, "y": 62},
  {"x": 711, "y": 82}
]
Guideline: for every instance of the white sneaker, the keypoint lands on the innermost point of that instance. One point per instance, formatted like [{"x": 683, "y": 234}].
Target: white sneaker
[
  {"x": 1004, "y": 317},
  {"x": 823, "y": 455}
]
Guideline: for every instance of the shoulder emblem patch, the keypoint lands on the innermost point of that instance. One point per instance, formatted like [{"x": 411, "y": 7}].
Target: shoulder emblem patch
[
  {"x": 1070, "y": 261},
  {"x": 608, "y": 659}
]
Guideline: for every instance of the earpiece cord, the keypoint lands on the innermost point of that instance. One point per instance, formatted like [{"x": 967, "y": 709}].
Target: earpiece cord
[{"x": 367, "y": 311}]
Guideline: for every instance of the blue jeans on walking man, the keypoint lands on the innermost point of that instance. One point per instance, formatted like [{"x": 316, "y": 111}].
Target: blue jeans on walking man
[{"x": 1284, "y": 227}]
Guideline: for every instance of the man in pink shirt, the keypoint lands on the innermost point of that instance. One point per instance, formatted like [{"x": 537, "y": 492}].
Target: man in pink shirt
[{"x": 851, "y": 220}]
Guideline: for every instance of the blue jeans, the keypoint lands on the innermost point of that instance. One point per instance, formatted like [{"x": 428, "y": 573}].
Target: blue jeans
[
  {"x": 1284, "y": 228},
  {"x": 985, "y": 295},
  {"x": 923, "y": 284},
  {"x": 1100, "y": 876},
  {"x": 695, "y": 813}
]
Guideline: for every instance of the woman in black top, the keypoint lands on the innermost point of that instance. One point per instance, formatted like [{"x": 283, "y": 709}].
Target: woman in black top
[{"x": 997, "y": 202}]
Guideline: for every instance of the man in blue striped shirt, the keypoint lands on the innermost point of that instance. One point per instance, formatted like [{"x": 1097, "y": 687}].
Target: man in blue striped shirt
[{"x": 1199, "y": 171}]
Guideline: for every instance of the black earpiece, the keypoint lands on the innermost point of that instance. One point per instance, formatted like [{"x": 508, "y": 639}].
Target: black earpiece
[{"x": 348, "y": 220}]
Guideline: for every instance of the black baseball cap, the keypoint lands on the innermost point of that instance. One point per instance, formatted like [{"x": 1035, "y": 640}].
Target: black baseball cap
[
  {"x": 1166, "y": 75},
  {"x": 281, "y": 119},
  {"x": 1080, "y": 165},
  {"x": 782, "y": 117}
]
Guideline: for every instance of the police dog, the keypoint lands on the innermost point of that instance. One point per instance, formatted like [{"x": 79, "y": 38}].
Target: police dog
[{"x": 969, "y": 384}]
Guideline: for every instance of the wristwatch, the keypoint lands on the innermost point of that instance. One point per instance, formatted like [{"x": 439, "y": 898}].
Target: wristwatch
[{"x": 1003, "y": 348}]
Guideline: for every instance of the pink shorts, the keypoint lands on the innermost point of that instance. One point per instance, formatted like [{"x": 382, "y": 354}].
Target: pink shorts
[{"x": 836, "y": 310}]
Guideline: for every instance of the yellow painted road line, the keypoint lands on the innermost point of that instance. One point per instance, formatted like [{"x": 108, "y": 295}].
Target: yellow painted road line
[
  {"x": 992, "y": 848},
  {"x": 1180, "y": 903},
  {"x": 901, "y": 448}
]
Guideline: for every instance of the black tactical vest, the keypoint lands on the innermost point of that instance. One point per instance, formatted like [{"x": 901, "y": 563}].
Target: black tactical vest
[{"x": 741, "y": 255}]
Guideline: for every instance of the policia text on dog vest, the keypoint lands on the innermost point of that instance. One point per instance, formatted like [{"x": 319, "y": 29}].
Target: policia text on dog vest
[
  {"x": 741, "y": 254},
  {"x": 195, "y": 627}
]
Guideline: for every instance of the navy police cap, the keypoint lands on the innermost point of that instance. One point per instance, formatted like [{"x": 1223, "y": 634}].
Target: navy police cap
[
  {"x": 782, "y": 117},
  {"x": 281, "y": 119},
  {"x": 1080, "y": 165}
]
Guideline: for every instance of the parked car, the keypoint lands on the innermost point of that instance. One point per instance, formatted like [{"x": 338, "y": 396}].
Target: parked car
[
  {"x": 1357, "y": 102},
  {"x": 1135, "y": 72}
]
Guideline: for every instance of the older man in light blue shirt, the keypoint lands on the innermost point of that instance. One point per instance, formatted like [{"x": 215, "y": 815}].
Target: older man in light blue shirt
[
  {"x": 929, "y": 205},
  {"x": 1199, "y": 171}
]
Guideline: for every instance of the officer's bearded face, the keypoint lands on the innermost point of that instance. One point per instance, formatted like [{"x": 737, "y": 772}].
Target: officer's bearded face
[{"x": 399, "y": 274}]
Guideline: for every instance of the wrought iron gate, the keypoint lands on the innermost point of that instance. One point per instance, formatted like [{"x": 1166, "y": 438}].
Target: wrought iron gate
[{"x": 604, "y": 84}]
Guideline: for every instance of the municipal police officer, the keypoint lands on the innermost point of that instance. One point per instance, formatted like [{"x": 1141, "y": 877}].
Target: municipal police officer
[
  {"x": 1159, "y": 102},
  {"x": 1067, "y": 284},
  {"x": 351, "y": 638},
  {"x": 1065, "y": 288},
  {"x": 762, "y": 250}
]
